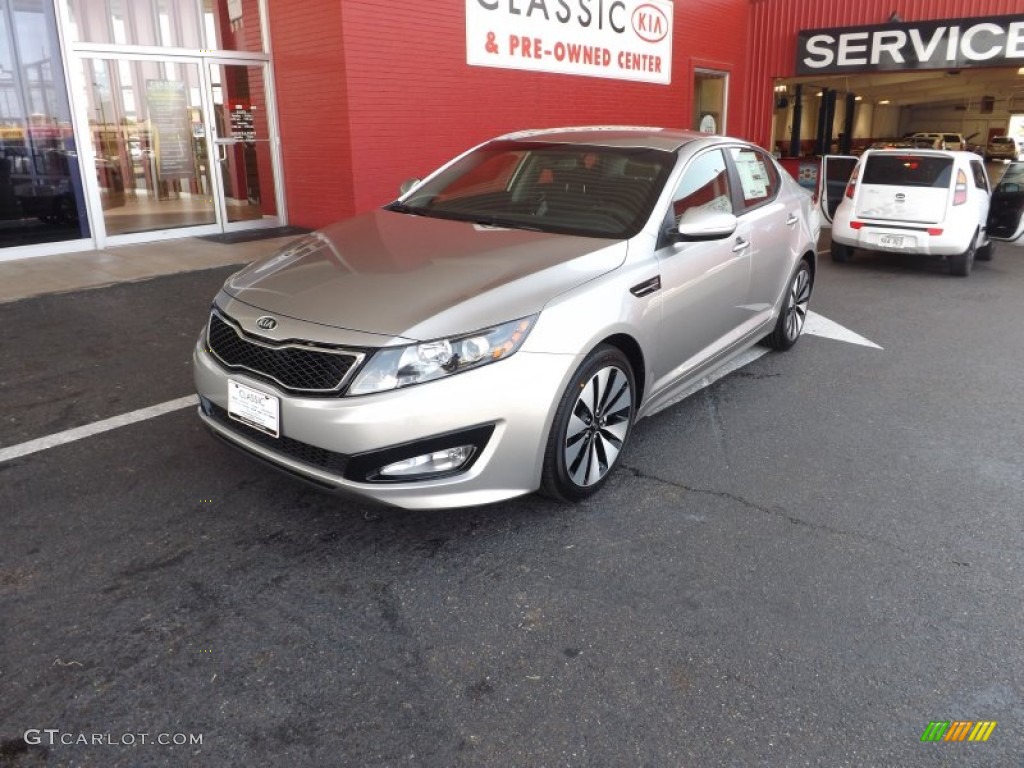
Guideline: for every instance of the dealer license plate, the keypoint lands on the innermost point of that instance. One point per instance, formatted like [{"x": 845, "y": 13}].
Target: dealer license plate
[
  {"x": 254, "y": 408},
  {"x": 890, "y": 241}
]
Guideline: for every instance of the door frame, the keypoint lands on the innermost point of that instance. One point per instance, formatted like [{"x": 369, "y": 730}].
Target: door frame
[
  {"x": 76, "y": 58},
  {"x": 220, "y": 201}
]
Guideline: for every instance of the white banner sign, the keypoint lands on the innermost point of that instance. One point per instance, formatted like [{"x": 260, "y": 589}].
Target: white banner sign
[{"x": 622, "y": 39}]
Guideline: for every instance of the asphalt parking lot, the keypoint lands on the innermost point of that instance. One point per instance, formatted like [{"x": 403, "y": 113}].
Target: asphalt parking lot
[{"x": 803, "y": 564}]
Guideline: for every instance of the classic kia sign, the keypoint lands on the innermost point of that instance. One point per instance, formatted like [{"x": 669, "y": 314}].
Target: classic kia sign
[
  {"x": 951, "y": 44},
  {"x": 622, "y": 39}
]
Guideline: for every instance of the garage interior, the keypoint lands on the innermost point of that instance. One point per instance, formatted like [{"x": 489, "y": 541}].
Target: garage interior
[{"x": 847, "y": 113}]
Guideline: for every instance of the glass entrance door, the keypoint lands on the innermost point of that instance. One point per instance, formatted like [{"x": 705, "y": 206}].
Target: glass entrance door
[
  {"x": 147, "y": 122},
  {"x": 181, "y": 146},
  {"x": 244, "y": 157}
]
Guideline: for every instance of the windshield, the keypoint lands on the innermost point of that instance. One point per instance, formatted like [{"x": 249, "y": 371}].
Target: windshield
[{"x": 572, "y": 189}]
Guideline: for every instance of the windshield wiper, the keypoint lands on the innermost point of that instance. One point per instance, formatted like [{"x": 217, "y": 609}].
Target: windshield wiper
[
  {"x": 495, "y": 221},
  {"x": 399, "y": 207}
]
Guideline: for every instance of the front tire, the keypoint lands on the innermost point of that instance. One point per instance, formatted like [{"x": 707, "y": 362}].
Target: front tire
[
  {"x": 592, "y": 424},
  {"x": 793, "y": 314}
]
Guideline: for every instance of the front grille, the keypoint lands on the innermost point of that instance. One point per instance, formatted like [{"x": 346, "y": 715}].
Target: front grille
[
  {"x": 320, "y": 458},
  {"x": 299, "y": 368}
]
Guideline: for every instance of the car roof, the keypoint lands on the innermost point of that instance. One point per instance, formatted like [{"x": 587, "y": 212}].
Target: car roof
[
  {"x": 903, "y": 151},
  {"x": 668, "y": 139}
]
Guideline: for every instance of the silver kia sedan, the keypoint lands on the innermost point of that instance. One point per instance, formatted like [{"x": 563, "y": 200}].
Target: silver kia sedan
[{"x": 500, "y": 328}]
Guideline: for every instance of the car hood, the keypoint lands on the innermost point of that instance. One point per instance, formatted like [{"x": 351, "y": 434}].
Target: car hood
[{"x": 411, "y": 277}]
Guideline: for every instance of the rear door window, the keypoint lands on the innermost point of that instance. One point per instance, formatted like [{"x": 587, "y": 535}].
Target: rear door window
[
  {"x": 908, "y": 171},
  {"x": 980, "y": 179},
  {"x": 759, "y": 180}
]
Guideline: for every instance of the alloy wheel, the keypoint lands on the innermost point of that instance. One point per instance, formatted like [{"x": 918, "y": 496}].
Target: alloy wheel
[
  {"x": 598, "y": 426},
  {"x": 796, "y": 309}
]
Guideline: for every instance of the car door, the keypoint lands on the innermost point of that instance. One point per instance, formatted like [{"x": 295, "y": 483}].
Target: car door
[
  {"x": 832, "y": 180},
  {"x": 703, "y": 284},
  {"x": 1006, "y": 213},
  {"x": 773, "y": 221},
  {"x": 983, "y": 198}
]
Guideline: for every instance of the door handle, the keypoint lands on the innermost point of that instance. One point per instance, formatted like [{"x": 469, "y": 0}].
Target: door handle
[
  {"x": 740, "y": 245},
  {"x": 793, "y": 219},
  {"x": 647, "y": 287}
]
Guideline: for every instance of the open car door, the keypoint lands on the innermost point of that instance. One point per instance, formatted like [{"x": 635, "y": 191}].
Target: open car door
[
  {"x": 835, "y": 174},
  {"x": 1006, "y": 212},
  {"x": 832, "y": 179}
]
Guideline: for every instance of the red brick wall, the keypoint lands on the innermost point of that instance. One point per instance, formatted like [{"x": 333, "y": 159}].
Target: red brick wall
[
  {"x": 308, "y": 48},
  {"x": 371, "y": 93}
]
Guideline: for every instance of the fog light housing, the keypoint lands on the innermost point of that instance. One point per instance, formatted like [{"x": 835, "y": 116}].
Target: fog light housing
[
  {"x": 429, "y": 458},
  {"x": 426, "y": 464}
]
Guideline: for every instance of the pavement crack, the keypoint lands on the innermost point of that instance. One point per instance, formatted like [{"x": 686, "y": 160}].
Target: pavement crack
[
  {"x": 710, "y": 492},
  {"x": 778, "y": 512}
]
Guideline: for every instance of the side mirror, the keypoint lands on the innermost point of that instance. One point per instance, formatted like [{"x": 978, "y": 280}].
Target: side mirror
[
  {"x": 698, "y": 226},
  {"x": 408, "y": 186}
]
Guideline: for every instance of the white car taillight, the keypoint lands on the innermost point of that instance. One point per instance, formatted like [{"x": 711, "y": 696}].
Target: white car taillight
[
  {"x": 960, "y": 190},
  {"x": 852, "y": 183}
]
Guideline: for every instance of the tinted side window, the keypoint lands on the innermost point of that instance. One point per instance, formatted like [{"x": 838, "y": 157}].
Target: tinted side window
[
  {"x": 759, "y": 179},
  {"x": 704, "y": 186},
  {"x": 979, "y": 175},
  {"x": 908, "y": 171}
]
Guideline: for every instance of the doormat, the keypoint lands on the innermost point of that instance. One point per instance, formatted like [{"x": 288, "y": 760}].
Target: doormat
[{"x": 248, "y": 235}]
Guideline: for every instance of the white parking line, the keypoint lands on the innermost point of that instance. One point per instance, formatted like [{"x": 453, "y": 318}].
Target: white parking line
[
  {"x": 70, "y": 435},
  {"x": 816, "y": 326},
  {"x": 819, "y": 325}
]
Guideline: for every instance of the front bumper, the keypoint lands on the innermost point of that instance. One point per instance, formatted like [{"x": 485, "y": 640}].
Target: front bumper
[{"x": 513, "y": 401}]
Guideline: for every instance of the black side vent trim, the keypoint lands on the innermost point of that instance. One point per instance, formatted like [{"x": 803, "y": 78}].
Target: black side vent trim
[{"x": 647, "y": 287}]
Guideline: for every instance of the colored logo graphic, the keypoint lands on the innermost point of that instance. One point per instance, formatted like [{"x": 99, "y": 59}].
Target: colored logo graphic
[{"x": 958, "y": 730}]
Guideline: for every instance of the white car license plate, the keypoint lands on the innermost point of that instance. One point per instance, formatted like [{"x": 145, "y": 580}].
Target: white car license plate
[
  {"x": 891, "y": 241},
  {"x": 257, "y": 409}
]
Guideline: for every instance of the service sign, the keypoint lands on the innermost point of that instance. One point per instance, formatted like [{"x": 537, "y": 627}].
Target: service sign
[
  {"x": 996, "y": 41},
  {"x": 621, "y": 39}
]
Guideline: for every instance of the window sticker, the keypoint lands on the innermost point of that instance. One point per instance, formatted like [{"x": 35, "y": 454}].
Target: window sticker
[{"x": 753, "y": 176}]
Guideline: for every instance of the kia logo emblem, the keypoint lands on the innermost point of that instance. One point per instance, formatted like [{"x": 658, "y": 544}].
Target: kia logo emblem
[
  {"x": 266, "y": 323},
  {"x": 650, "y": 23}
]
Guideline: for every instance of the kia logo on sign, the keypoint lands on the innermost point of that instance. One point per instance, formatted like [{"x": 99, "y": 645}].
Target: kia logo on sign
[
  {"x": 266, "y": 323},
  {"x": 650, "y": 23}
]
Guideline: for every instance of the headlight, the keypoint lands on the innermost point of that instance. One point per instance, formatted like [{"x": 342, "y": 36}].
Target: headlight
[{"x": 396, "y": 367}]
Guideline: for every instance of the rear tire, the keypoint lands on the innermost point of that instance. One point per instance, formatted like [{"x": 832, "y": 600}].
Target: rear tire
[
  {"x": 841, "y": 253},
  {"x": 985, "y": 252},
  {"x": 961, "y": 264}
]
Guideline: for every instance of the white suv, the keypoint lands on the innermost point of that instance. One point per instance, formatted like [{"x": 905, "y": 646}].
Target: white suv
[
  {"x": 916, "y": 201},
  {"x": 1005, "y": 148},
  {"x": 951, "y": 141}
]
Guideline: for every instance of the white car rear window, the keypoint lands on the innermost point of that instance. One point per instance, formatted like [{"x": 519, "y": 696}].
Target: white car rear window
[{"x": 908, "y": 171}]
